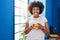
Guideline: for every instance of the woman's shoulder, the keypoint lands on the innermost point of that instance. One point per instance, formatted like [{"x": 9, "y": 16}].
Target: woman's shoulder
[{"x": 44, "y": 18}]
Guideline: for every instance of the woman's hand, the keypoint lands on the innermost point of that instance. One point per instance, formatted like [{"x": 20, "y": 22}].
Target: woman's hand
[
  {"x": 40, "y": 26},
  {"x": 37, "y": 26},
  {"x": 27, "y": 28}
]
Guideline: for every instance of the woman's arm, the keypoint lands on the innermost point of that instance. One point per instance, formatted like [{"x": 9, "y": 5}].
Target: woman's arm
[
  {"x": 46, "y": 30},
  {"x": 27, "y": 29}
]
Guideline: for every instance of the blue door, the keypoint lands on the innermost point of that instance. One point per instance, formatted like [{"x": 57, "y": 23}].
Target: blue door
[{"x": 6, "y": 19}]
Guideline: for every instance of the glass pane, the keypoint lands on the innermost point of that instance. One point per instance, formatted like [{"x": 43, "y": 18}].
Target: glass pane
[
  {"x": 23, "y": 12},
  {"x": 17, "y": 19},
  {"x": 17, "y": 3},
  {"x": 22, "y": 26},
  {"x": 17, "y": 11},
  {"x": 23, "y": 19},
  {"x": 24, "y": 6},
  {"x": 17, "y": 36},
  {"x": 17, "y": 28}
]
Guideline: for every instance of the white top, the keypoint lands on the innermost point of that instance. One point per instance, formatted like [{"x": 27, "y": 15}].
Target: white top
[{"x": 36, "y": 34}]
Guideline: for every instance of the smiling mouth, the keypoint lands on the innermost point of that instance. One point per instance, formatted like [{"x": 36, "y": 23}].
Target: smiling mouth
[{"x": 35, "y": 13}]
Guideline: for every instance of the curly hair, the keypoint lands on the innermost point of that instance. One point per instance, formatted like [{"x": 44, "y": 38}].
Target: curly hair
[{"x": 36, "y": 4}]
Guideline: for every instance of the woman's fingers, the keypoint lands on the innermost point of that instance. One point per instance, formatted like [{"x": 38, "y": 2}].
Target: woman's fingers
[
  {"x": 39, "y": 26},
  {"x": 36, "y": 26}
]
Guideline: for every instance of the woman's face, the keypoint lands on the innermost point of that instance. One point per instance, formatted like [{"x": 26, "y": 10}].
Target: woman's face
[{"x": 35, "y": 11}]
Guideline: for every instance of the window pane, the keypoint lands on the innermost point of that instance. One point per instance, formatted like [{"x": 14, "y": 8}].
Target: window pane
[
  {"x": 23, "y": 4},
  {"x": 23, "y": 19},
  {"x": 17, "y": 28},
  {"x": 17, "y": 3},
  {"x": 17, "y": 19},
  {"x": 17, "y": 11},
  {"x": 17, "y": 36},
  {"x": 23, "y": 12},
  {"x": 22, "y": 26}
]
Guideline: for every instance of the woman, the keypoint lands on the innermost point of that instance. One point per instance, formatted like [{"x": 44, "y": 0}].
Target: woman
[{"x": 36, "y": 8}]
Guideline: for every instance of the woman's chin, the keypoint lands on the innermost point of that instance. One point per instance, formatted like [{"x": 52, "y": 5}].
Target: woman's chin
[{"x": 35, "y": 15}]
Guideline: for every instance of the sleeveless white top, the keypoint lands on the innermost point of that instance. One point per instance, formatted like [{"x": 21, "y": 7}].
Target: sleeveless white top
[{"x": 36, "y": 34}]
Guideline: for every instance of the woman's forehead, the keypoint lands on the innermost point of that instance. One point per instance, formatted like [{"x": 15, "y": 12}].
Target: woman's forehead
[{"x": 35, "y": 7}]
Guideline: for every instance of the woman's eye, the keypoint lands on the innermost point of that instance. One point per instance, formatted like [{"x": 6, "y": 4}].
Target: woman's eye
[{"x": 33, "y": 9}]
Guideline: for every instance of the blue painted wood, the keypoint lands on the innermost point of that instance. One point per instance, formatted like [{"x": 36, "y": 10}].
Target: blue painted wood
[
  {"x": 6, "y": 19},
  {"x": 53, "y": 14},
  {"x": 49, "y": 11}
]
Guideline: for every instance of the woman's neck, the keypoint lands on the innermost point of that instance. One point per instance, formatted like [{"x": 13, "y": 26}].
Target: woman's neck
[{"x": 36, "y": 16}]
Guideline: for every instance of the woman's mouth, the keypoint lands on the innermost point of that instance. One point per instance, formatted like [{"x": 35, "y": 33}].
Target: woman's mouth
[{"x": 35, "y": 13}]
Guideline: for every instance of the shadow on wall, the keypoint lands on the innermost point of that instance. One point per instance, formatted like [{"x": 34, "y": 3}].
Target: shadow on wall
[{"x": 52, "y": 29}]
